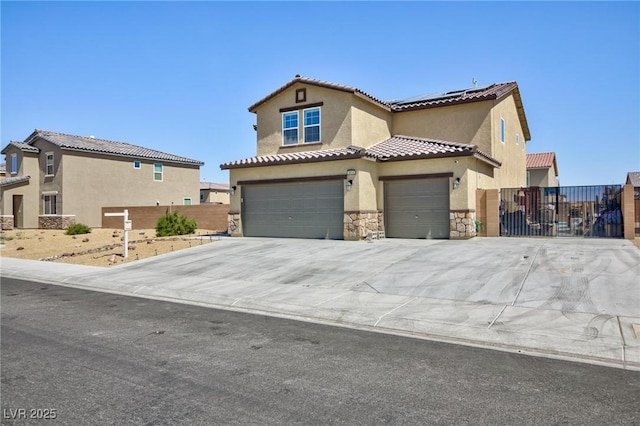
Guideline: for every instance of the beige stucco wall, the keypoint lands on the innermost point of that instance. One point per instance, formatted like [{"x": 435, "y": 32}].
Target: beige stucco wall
[
  {"x": 31, "y": 201},
  {"x": 465, "y": 123},
  {"x": 370, "y": 123},
  {"x": 113, "y": 181},
  {"x": 213, "y": 196},
  {"x": 542, "y": 177},
  {"x": 335, "y": 120},
  {"x": 512, "y": 173}
]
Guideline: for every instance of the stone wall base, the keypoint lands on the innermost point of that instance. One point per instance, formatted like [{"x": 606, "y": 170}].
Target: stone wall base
[
  {"x": 235, "y": 225},
  {"x": 359, "y": 225},
  {"x": 6, "y": 222},
  {"x": 56, "y": 221},
  {"x": 462, "y": 224}
]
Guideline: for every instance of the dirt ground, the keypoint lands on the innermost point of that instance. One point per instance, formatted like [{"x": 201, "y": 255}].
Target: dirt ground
[{"x": 101, "y": 247}]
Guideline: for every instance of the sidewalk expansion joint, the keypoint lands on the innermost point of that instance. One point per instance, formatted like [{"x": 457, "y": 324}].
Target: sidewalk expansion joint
[{"x": 393, "y": 310}]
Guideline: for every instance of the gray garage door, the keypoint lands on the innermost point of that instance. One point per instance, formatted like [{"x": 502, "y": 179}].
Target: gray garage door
[
  {"x": 294, "y": 209},
  {"x": 417, "y": 208}
]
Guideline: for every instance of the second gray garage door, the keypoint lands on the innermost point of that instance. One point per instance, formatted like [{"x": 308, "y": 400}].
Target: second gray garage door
[
  {"x": 417, "y": 208},
  {"x": 294, "y": 209}
]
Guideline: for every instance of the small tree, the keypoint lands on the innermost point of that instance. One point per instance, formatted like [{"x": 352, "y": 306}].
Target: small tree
[
  {"x": 78, "y": 228},
  {"x": 175, "y": 224}
]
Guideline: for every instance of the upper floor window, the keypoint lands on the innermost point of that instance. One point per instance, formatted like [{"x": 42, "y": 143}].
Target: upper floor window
[
  {"x": 14, "y": 163},
  {"x": 157, "y": 172},
  {"x": 502, "y": 130},
  {"x": 290, "y": 128},
  {"x": 311, "y": 125},
  {"x": 186, "y": 201},
  {"x": 136, "y": 164},
  {"x": 49, "y": 164}
]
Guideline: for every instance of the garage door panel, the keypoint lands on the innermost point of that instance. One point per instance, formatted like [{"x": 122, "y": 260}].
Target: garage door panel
[
  {"x": 294, "y": 210},
  {"x": 417, "y": 208}
]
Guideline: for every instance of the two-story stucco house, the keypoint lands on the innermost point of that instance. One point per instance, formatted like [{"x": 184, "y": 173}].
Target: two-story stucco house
[
  {"x": 54, "y": 179},
  {"x": 542, "y": 169},
  {"x": 335, "y": 162}
]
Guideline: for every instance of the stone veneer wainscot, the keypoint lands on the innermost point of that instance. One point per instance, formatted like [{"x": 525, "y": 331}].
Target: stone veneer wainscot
[
  {"x": 56, "y": 221},
  {"x": 462, "y": 224}
]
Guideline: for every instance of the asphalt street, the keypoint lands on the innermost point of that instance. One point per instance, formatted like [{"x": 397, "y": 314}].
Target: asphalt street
[{"x": 99, "y": 358}]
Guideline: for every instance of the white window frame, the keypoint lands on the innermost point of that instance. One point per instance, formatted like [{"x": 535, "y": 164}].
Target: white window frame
[
  {"x": 47, "y": 165},
  {"x": 161, "y": 172},
  {"x": 14, "y": 163},
  {"x": 297, "y": 128},
  {"x": 503, "y": 130},
  {"x": 305, "y": 126},
  {"x": 184, "y": 201},
  {"x": 137, "y": 164},
  {"x": 51, "y": 201}
]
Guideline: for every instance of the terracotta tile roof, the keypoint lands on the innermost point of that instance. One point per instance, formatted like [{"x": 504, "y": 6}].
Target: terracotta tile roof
[
  {"x": 320, "y": 83},
  {"x": 410, "y": 148},
  {"x": 21, "y": 146},
  {"x": 471, "y": 94},
  {"x": 296, "y": 157},
  {"x": 541, "y": 160},
  {"x": 14, "y": 180},
  {"x": 214, "y": 186},
  {"x": 396, "y": 148},
  {"x": 633, "y": 178},
  {"x": 103, "y": 146}
]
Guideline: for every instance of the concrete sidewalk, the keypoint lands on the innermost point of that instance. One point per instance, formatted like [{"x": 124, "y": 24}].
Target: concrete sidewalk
[{"x": 565, "y": 298}]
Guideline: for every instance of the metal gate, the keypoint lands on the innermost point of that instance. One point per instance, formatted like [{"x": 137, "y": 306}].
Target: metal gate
[{"x": 562, "y": 211}]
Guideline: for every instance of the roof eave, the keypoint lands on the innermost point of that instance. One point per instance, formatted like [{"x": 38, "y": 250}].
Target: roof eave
[
  {"x": 227, "y": 166},
  {"x": 113, "y": 154},
  {"x": 521, "y": 114},
  {"x": 444, "y": 104}
]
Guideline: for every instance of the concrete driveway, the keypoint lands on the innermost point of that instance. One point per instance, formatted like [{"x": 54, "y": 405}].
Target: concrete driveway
[{"x": 574, "y": 298}]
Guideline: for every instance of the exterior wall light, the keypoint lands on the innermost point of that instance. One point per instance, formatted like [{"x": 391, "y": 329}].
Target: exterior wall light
[
  {"x": 348, "y": 185},
  {"x": 456, "y": 183},
  {"x": 233, "y": 190}
]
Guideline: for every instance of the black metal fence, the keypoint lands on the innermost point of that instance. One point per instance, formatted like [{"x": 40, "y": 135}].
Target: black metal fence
[{"x": 563, "y": 211}]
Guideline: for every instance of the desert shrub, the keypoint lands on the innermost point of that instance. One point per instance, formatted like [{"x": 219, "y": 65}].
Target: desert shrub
[
  {"x": 78, "y": 228},
  {"x": 174, "y": 224}
]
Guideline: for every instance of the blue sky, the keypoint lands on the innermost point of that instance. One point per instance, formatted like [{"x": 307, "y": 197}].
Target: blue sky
[{"x": 179, "y": 76}]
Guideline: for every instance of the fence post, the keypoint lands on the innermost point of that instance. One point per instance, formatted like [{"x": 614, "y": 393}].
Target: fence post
[
  {"x": 493, "y": 214},
  {"x": 628, "y": 212}
]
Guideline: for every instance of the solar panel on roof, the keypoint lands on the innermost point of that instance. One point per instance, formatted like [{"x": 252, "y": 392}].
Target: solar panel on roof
[{"x": 480, "y": 89}]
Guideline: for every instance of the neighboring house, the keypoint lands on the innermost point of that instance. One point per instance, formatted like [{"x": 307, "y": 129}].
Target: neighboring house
[
  {"x": 55, "y": 179},
  {"x": 215, "y": 193},
  {"x": 335, "y": 162},
  {"x": 633, "y": 178},
  {"x": 542, "y": 169},
  {"x": 3, "y": 171}
]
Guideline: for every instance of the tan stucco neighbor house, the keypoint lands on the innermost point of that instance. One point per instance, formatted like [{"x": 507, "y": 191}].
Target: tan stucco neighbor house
[
  {"x": 214, "y": 193},
  {"x": 55, "y": 179},
  {"x": 336, "y": 162},
  {"x": 542, "y": 169}
]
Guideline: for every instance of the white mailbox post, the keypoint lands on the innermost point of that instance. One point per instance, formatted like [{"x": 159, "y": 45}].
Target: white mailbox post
[{"x": 127, "y": 228}]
